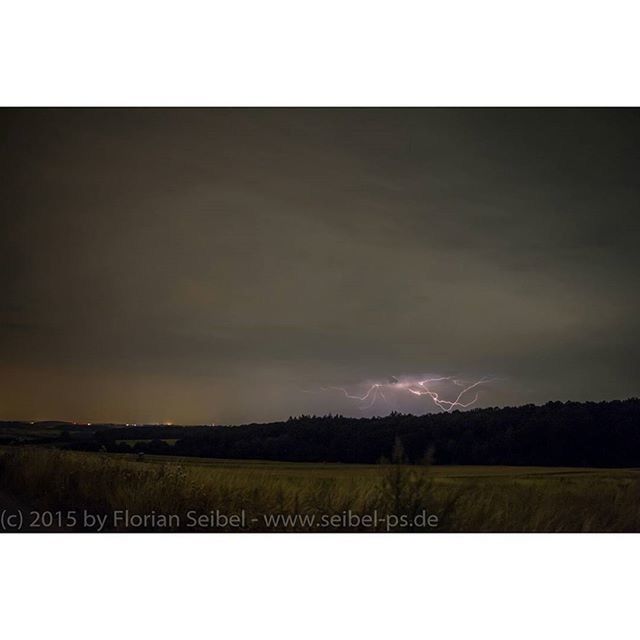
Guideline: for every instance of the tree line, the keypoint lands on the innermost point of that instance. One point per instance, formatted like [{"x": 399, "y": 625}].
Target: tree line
[{"x": 594, "y": 434}]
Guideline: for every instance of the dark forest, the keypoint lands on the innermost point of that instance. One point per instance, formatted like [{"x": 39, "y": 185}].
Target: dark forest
[{"x": 590, "y": 434}]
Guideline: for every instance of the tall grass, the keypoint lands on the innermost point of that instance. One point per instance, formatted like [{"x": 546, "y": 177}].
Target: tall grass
[{"x": 102, "y": 484}]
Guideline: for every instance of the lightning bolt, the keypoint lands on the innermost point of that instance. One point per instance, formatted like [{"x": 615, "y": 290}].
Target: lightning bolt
[
  {"x": 448, "y": 405},
  {"x": 371, "y": 395},
  {"x": 419, "y": 387}
]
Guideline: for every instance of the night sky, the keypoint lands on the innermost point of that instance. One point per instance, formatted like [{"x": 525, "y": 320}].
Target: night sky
[{"x": 233, "y": 265}]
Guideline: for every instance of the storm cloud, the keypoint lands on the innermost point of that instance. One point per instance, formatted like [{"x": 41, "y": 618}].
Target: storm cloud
[{"x": 226, "y": 265}]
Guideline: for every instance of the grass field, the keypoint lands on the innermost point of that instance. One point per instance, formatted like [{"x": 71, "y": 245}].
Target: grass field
[{"x": 273, "y": 496}]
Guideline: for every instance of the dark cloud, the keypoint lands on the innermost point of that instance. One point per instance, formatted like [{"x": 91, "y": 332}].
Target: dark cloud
[{"x": 200, "y": 265}]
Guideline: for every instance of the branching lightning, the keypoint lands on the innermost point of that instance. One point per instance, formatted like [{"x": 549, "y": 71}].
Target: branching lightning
[
  {"x": 419, "y": 387},
  {"x": 448, "y": 405},
  {"x": 374, "y": 392}
]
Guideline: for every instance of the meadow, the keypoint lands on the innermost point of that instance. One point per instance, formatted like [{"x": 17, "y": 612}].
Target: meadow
[{"x": 279, "y": 496}]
